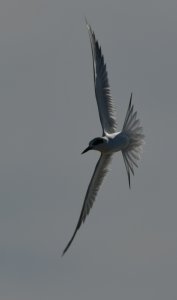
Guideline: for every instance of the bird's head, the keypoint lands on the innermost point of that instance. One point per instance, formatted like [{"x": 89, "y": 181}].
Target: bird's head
[{"x": 96, "y": 144}]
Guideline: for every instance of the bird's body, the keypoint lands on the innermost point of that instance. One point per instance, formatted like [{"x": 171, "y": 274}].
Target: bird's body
[
  {"x": 117, "y": 141},
  {"x": 111, "y": 143},
  {"x": 129, "y": 140}
]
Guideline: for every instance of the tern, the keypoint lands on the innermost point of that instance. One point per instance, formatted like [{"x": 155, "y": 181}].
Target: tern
[{"x": 129, "y": 140}]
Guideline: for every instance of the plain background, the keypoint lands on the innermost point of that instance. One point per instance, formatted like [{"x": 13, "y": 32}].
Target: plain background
[{"x": 127, "y": 248}]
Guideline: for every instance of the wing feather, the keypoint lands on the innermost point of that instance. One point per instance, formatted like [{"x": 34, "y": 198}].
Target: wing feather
[
  {"x": 106, "y": 108},
  {"x": 95, "y": 183}
]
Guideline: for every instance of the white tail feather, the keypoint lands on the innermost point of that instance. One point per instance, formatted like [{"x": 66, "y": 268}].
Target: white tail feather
[{"x": 132, "y": 128}]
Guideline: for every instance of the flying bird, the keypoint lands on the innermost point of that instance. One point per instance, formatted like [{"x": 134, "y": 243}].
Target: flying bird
[{"x": 129, "y": 140}]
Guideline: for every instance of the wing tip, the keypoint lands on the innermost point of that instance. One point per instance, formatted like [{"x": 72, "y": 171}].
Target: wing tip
[
  {"x": 70, "y": 242},
  {"x": 87, "y": 24},
  {"x": 64, "y": 251}
]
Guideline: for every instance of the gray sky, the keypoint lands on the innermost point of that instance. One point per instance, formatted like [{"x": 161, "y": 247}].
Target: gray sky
[{"x": 127, "y": 248}]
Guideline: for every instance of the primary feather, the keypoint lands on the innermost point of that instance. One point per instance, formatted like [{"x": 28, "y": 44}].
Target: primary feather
[
  {"x": 95, "y": 183},
  {"x": 106, "y": 106}
]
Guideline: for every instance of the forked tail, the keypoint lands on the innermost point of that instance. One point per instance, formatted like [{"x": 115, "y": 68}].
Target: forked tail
[{"x": 132, "y": 128}]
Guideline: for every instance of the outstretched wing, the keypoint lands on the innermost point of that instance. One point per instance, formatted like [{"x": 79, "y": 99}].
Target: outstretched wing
[
  {"x": 104, "y": 99},
  {"x": 95, "y": 183}
]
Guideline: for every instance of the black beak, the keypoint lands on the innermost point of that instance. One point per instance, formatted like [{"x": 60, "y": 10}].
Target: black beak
[{"x": 87, "y": 149}]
